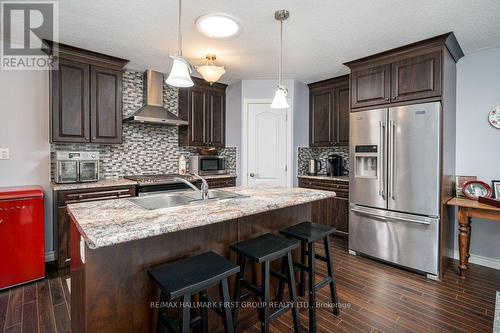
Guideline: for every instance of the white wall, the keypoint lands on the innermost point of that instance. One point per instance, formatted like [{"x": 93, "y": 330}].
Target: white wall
[
  {"x": 300, "y": 124},
  {"x": 233, "y": 123},
  {"x": 478, "y": 143},
  {"x": 24, "y": 129}
]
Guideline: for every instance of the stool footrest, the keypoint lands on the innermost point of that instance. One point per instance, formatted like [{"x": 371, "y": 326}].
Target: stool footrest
[
  {"x": 324, "y": 282},
  {"x": 278, "y": 275},
  {"x": 318, "y": 256},
  {"x": 300, "y": 266},
  {"x": 280, "y": 311},
  {"x": 250, "y": 286}
]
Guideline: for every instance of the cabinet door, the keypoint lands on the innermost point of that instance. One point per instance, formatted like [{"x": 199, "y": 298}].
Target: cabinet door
[
  {"x": 416, "y": 77},
  {"x": 106, "y": 105},
  {"x": 321, "y": 117},
  {"x": 70, "y": 110},
  {"x": 370, "y": 86},
  {"x": 197, "y": 116},
  {"x": 343, "y": 115},
  {"x": 339, "y": 210},
  {"x": 216, "y": 129},
  {"x": 63, "y": 224}
]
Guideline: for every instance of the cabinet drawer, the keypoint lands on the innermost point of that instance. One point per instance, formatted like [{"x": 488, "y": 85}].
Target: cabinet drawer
[
  {"x": 340, "y": 188},
  {"x": 69, "y": 197},
  {"x": 219, "y": 182}
]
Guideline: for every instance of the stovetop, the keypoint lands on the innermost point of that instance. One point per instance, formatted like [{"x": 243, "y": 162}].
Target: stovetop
[{"x": 158, "y": 179}]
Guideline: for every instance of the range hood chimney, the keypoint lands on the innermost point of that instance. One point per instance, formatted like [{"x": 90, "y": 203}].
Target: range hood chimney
[{"x": 153, "y": 111}]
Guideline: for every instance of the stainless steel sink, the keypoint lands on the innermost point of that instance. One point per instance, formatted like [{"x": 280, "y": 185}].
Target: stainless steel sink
[
  {"x": 214, "y": 194},
  {"x": 180, "y": 199},
  {"x": 160, "y": 201}
]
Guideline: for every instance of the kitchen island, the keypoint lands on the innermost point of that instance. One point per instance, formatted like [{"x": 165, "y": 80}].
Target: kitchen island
[{"x": 114, "y": 243}]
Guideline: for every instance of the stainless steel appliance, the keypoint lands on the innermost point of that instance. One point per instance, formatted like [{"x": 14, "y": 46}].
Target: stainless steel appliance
[
  {"x": 395, "y": 185},
  {"x": 335, "y": 165},
  {"x": 207, "y": 165},
  {"x": 314, "y": 167},
  {"x": 75, "y": 167}
]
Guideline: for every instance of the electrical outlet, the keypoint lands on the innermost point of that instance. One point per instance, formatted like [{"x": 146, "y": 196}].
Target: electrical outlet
[{"x": 4, "y": 153}]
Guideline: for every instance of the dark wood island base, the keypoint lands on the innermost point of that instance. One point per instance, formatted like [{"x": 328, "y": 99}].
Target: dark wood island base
[{"x": 110, "y": 288}]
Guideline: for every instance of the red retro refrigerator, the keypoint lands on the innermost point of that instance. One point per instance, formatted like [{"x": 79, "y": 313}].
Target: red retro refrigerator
[{"x": 21, "y": 235}]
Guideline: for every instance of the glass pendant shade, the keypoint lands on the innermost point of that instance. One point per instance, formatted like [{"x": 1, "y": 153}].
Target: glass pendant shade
[
  {"x": 279, "y": 101},
  {"x": 179, "y": 74},
  {"x": 209, "y": 71}
]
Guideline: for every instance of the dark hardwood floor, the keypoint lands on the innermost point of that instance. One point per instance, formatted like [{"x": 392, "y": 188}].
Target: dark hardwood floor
[{"x": 379, "y": 298}]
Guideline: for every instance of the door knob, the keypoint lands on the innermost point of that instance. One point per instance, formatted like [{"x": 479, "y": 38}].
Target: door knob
[{"x": 252, "y": 174}]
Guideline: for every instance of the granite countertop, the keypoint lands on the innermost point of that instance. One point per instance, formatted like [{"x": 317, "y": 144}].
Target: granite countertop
[
  {"x": 111, "y": 222},
  {"x": 101, "y": 183},
  {"x": 325, "y": 177}
]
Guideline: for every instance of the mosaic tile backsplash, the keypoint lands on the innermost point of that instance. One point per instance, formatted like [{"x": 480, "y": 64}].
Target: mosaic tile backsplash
[
  {"x": 146, "y": 148},
  {"x": 307, "y": 153}
]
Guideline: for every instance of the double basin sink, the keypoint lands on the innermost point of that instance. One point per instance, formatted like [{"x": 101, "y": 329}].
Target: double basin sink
[{"x": 169, "y": 200}]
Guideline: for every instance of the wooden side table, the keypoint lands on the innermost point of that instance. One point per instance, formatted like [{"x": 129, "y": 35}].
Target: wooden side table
[{"x": 468, "y": 209}]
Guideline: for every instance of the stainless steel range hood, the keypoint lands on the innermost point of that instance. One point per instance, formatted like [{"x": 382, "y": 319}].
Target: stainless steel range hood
[{"x": 153, "y": 111}]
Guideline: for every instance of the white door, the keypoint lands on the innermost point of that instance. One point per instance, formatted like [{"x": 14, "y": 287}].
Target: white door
[{"x": 267, "y": 145}]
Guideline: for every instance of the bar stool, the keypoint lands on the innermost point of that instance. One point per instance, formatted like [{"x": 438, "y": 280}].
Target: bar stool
[
  {"x": 263, "y": 250},
  {"x": 308, "y": 233},
  {"x": 185, "y": 278}
]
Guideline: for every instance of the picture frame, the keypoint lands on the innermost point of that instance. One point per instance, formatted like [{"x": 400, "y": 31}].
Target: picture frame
[
  {"x": 476, "y": 188},
  {"x": 495, "y": 185},
  {"x": 459, "y": 184}
]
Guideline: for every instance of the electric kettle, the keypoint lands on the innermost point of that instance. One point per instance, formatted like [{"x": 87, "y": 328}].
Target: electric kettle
[{"x": 314, "y": 167}]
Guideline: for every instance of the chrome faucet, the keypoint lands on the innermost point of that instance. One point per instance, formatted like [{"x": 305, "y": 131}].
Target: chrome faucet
[{"x": 204, "y": 185}]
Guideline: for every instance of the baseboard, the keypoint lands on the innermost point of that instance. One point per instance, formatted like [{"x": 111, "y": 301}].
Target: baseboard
[
  {"x": 50, "y": 256},
  {"x": 480, "y": 260}
]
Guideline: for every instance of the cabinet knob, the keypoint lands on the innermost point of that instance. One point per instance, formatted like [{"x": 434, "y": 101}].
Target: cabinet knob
[
  {"x": 387, "y": 98},
  {"x": 394, "y": 98}
]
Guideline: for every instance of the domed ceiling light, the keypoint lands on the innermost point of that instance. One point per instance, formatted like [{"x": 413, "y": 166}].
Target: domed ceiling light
[
  {"x": 279, "y": 101},
  {"x": 218, "y": 26},
  {"x": 209, "y": 71},
  {"x": 181, "y": 68}
]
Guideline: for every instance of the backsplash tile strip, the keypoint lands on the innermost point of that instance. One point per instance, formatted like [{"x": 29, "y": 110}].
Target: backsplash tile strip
[
  {"x": 307, "y": 153},
  {"x": 146, "y": 148}
]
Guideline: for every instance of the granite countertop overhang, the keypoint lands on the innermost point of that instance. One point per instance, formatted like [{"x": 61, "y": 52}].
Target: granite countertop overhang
[{"x": 106, "y": 223}]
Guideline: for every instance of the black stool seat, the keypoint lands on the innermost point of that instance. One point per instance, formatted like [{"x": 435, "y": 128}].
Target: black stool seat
[
  {"x": 308, "y": 231},
  {"x": 192, "y": 274},
  {"x": 266, "y": 247}
]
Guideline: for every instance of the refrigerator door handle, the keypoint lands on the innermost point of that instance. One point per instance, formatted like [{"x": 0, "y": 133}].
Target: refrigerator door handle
[
  {"x": 381, "y": 183},
  {"x": 369, "y": 212},
  {"x": 392, "y": 142}
]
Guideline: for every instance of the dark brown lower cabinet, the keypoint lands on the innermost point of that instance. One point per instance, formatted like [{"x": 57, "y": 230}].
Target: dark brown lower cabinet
[
  {"x": 333, "y": 211},
  {"x": 62, "y": 219},
  {"x": 220, "y": 182}
]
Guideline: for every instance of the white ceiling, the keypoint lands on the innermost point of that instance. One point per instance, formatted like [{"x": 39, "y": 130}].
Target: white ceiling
[{"x": 319, "y": 36}]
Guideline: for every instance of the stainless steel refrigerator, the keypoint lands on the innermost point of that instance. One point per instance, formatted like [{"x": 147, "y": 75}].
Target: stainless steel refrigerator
[{"x": 395, "y": 185}]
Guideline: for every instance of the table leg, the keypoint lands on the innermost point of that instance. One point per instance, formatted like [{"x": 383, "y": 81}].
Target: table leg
[{"x": 463, "y": 240}]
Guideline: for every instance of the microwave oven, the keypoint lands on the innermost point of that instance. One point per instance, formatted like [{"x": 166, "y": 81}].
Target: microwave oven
[
  {"x": 77, "y": 167},
  {"x": 207, "y": 165}
]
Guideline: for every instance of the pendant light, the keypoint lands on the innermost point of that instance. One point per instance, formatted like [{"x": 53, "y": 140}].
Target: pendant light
[
  {"x": 209, "y": 71},
  {"x": 181, "y": 68},
  {"x": 279, "y": 101}
]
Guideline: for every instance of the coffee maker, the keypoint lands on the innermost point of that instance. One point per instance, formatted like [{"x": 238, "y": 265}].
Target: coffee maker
[{"x": 334, "y": 165}]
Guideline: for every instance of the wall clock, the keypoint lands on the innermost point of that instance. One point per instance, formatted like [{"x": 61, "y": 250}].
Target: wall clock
[{"x": 494, "y": 117}]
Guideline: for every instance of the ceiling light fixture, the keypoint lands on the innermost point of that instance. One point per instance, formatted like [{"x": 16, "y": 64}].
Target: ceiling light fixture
[
  {"x": 209, "y": 71},
  {"x": 181, "y": 68},
  {"x": 279, "y": 100},
  {"x": 218, "y": 26}
]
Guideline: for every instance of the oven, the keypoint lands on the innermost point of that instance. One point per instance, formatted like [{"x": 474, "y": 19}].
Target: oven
[
  {"x": 77, "y": 167},
  {"x": 207, "y": 165}
]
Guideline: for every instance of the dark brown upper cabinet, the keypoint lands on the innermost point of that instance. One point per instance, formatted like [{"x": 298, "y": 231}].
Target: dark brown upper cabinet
[
  {"x": 329, "y": 112},
  {"x": 408, "y": 73},
  {"x": 371, "y": 86},
  {"x": 86, "y": 95},
  {"x": 204, "y": 107}
]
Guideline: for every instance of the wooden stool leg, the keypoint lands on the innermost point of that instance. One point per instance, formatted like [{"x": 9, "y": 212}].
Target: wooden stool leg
[
  {"x": 302, "y": 283},
  {"x": 329, "y": 265},
  {"x": 160, "y": 312},
  {"x": 203, "y": 312},
  {"x": 463, "y": 240},
  {"x": 281, "y": 283},
  {"x": 264, "y": 322},
  {"x": 293, "y": 292},
  {"x": 312, "y": 288},
  {"x": 226, "y": 306},
  {"x": 186, "y": 314},
  {"x": 237, "y": 289}
]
